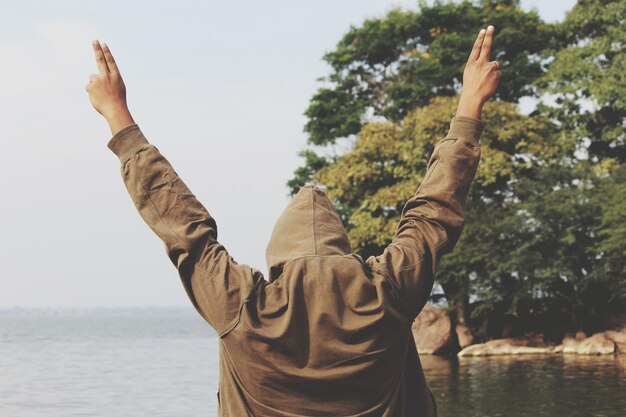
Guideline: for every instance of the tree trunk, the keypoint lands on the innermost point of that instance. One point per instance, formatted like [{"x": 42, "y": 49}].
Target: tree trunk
[{"x": 456, "y": 291}]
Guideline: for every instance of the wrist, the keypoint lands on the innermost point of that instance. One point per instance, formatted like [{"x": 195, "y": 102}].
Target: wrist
[
  {"x": 469, "y": 106},
  {"x": 119, "y": 119}
]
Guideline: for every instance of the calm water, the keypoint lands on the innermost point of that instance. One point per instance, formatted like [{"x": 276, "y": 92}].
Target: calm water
[{"x": 163, "y": 362}]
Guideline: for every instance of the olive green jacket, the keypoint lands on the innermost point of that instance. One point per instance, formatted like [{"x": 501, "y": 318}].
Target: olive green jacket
[{"x": 329, "y": 334}]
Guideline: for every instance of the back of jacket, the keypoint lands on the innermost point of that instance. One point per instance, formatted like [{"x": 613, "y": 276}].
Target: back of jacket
[{"x": 330, "y": 333}]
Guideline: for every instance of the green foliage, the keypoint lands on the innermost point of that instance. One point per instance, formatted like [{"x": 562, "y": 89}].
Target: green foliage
[
  {"x": 390, "y": 65},
  {"x": 381, "y": 173},
  {"x": 587, "y": 76},
  {"x": 586, "y": 81},
  {"x": 501, "y": 246},
  {"x": 545, "y": 232},
  {"x": 611, "y": 231}
]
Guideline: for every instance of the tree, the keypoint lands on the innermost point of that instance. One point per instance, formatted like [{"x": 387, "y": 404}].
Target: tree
[
  {"x": 587, "y": 79},
  {"x": 544, "y": 243},
  {"x": 612, "y": 235},
  {"x": 388, "y": 66},
  {"x": 588, "y": 90},
  {"x": 372, "y": 182}
]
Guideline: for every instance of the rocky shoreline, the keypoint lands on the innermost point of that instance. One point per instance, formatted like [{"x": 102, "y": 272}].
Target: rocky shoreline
[{"x": 434, "y": 334}]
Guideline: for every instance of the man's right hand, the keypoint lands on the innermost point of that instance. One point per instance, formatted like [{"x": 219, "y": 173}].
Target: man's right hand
[
  {"x": 107, "y": 91},
  {"x": 480, "y": 78}
]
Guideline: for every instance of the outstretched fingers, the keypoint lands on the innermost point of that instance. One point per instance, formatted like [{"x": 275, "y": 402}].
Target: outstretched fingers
[
  {"x": 110, "y": 61},
  {"x": 477, "y": 46},
  {"x": 485, "y": 49},
  {"x": 100, "y": 59}
]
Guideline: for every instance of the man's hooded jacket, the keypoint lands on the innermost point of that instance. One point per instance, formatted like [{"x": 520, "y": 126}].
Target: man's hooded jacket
[{"x": 329, "y": 334}]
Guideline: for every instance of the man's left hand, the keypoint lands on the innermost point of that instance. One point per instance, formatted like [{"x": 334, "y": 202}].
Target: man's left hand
[{"x": 107, "y": 91}]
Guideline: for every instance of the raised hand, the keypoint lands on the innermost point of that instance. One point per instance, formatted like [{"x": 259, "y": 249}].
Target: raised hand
[
  {"x": 107, "y": 91},
  {"x": 481, "y": 76}
]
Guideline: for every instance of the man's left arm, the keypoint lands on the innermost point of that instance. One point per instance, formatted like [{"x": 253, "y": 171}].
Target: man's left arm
[{"x": 215, "y": 283}]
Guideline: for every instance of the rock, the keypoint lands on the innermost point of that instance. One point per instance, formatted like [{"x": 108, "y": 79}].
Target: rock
[
  {"x": 570, "y": 345},
  {"x": 580, "y": 336},
  {"x": 598, "y": 344},
  {"x": 432, "y": 330},
  {"x": 619, "y": 338},
  {"x": 504, "y": 347},
  {"x": 603, "y": 343},
  {"x": 464, "y": 336}
]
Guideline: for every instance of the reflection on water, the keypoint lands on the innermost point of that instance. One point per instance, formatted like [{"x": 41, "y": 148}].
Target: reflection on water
[{"x": 529, "y": 385}]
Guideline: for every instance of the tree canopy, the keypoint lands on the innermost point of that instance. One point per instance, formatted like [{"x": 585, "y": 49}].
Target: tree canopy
[
  {"x": 587, "y": 77},
  {"x": 545, "y": 233},
  {"x": 388, "y": 66}
]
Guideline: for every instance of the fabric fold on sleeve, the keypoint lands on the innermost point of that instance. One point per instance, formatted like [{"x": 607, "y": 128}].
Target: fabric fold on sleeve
[{"x": 127, "y": 141}]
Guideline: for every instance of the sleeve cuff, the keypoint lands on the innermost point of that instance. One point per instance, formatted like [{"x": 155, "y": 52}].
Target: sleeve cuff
[
  {"x": 127, "y": 141},
  {"x": 468, "y": 128}
]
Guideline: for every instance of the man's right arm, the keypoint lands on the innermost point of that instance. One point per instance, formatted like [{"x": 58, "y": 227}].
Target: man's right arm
[{"x": 432, "y": 220}]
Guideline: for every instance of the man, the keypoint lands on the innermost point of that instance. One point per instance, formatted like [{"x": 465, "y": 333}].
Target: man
[{"x": 330, "y": 333}]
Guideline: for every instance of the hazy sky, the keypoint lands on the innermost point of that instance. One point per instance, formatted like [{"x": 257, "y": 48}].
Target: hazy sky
[{"x": 219, "y": 87}]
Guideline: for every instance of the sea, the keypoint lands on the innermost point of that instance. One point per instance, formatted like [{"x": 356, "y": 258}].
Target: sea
[{"x": 137, "y": 362}]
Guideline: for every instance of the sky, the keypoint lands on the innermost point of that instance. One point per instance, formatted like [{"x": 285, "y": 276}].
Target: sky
[{"x": 219, "y": 87}]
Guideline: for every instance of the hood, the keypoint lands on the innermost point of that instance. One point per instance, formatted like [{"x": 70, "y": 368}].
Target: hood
[{"x": 308, "y": 226}]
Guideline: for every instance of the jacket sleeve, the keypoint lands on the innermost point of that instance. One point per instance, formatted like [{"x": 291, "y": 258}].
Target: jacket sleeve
[
  {"x": 217, "y": 286},
  {"x": 432, "y": 220}
]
